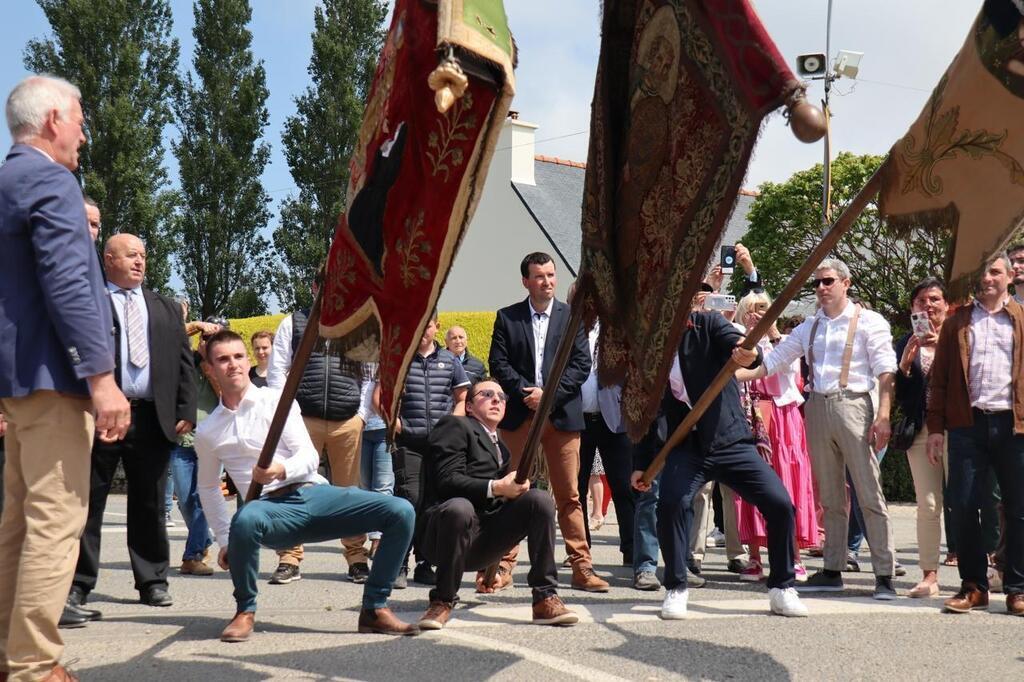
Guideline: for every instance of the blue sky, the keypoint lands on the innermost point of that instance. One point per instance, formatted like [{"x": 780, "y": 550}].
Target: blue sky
[{"x": 907, "y": 46}]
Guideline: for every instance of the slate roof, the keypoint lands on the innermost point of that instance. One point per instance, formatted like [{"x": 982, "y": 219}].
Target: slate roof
[{"x": 556, "y": 204}]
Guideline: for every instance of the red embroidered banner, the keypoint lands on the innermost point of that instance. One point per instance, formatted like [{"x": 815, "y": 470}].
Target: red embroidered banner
[
  {"x": 682, "y": 88},
  {"x": 416, "y": 176}
]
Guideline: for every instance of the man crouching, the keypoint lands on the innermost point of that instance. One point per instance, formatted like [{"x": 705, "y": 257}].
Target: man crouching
[
  {"x": 297, "y": 505},
  {"x": 482, "y": 512}
]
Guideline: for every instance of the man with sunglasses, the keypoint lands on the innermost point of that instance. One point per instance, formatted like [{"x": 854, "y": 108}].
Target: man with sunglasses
[
  {"x": 482, "y": 511},
  {"x": 847, "y": 349}
]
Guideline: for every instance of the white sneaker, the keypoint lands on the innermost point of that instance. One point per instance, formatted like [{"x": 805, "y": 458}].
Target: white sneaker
[
  {"x": 674, "y": 606},
  {"x": 716, "y": 538},
  {"x": 786, "y": 602}
]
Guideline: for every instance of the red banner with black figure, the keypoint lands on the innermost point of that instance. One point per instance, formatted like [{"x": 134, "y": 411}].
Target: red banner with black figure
[
  {"x": 441, "y": 92},
  {"x": 682, "y": 89}
]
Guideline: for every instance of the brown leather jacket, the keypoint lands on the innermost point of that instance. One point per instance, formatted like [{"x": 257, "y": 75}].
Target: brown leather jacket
[{"x": 949, "y": 405}]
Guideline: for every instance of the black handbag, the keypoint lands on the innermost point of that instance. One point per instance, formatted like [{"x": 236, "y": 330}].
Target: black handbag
[{"x": 904, "y": 431}]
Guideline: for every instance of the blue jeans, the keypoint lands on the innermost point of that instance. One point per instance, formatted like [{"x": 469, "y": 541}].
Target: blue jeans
[
  {"x": 375, "y": 467},
  {"x": 645, "y": 530},
  {"x": 988, "y": 445},
  {"x": 169, "y": 495},
  {"x": 318, "y": 513},
  {"x": 183, "y": 480}
]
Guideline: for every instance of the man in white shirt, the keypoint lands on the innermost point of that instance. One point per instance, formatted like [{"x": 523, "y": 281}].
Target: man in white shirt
[
  {"x": 847, "y": 350},
  {"x": 296, "y": 506}
]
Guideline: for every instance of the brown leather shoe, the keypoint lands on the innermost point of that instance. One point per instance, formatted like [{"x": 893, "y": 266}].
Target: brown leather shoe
[
  {"x": 194, "y": 567},
  {"x": 1015, "y": 604},
  {"x": 551, "y": 611},
  {"x": 384, "y": 622},
  {"x": 584, "y": 578},
  {"x": 240, "y": 627},
  {"x": 969, "y": 597},
  {"x": 59, "y": 674},
  {"x": 502, "y": 580},
  {"x": 437, "y": 615}
]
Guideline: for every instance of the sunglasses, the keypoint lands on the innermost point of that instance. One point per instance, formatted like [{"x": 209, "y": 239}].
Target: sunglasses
[
  {"x": 491, "y": 394},
  {"x": 818, "y": 281}
]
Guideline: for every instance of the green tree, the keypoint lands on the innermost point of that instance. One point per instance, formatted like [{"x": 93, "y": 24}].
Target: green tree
[
  {"x": 121, "y": 56},
  {"x": 785, "y": 226},
  {"x": 320, "y": 138},
  {"x": 222, "y": 114}
]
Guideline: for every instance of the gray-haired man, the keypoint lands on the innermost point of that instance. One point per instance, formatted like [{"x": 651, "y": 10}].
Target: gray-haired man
[{"x": 847, "y": 349}]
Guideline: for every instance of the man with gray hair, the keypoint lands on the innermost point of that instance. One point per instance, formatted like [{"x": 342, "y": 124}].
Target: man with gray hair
[
  {"x": 57, "y": 386},
  {"x": 847, "y": 349}
]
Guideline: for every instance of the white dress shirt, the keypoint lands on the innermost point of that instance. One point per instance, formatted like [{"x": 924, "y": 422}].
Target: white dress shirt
[
  {"x": 675, "y": 382},
  {"x": 280, "y": 363},
  {"x": 494, "y": 439},
  {"x": 873, "y": 353},
  {"x": 540, "y": 319},
  {"x": 135, "y": 381},
  {"x": 590, "y": 387},
  {"x": 233, "y": 439},
  {"x": 782, "y": 386}
]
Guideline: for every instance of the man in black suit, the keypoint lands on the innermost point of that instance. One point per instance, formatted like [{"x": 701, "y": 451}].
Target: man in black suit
[
  {"x": 482, "y": 511},
  {"x": 523, "y": 345},
  {"x": 154, "y": 369},
  {"x": 720, "y": 448}
]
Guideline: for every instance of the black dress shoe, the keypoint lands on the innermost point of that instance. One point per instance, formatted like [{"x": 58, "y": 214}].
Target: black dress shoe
[
  {"x": 70, "y": 618},
  {"x": 155, "y": 595},
  {"x": 76, "y": 601}
]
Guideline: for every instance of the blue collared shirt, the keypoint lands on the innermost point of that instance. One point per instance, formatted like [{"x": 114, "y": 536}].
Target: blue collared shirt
[{"x": 135, "y": 381}]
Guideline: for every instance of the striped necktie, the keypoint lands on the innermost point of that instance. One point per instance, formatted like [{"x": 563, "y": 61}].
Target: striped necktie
[{"x": 138, "y": 351}]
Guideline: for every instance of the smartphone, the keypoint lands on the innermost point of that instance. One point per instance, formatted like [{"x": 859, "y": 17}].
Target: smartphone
[
  {"x": 720, "y": 302},
  {"x": 920, "y": 324},
  {"x": 728, "y": 259}
]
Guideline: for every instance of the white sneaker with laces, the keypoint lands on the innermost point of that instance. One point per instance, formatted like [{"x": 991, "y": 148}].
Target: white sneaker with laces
[
  {"x": 786, "y": 602},
  {"x": 674, "y": 606}
]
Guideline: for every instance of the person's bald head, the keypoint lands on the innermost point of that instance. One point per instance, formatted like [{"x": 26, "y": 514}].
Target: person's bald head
[
  {"x": 455, "y": 340},
  {"x": 124, "y": 257}
]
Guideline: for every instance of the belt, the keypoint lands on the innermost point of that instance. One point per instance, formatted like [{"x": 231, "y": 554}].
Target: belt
[
  {"x": 287, "y": 489},
  {"x": 841, "y": 393},
  {"x": 140, "y": 402}
]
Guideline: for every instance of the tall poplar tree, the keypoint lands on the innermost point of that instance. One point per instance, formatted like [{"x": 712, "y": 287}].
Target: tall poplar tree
[
  {"x": 121, "y": 56},
  {"x": 222, "y": 114},
  {"x": 320, "y": 138}
]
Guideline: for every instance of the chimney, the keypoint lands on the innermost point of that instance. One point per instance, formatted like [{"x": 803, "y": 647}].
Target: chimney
[{"x": 517, "y": 137}]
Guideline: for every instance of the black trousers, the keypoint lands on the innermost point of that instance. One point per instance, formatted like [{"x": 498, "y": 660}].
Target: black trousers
[
  {"x": 457, "y": 539},
  {"x": 144, "y": 453},
  {"x": 617, "y": 457},
  {"x": 413, "y": 482},
  {"x": 742, "y": 469}
]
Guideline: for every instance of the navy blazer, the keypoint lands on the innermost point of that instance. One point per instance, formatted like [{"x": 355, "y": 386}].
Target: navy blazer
[
  {"x": 512, "y": 363},
  {"x": 172, "y": 372},
  {"x": 706, "y": 347},
  {"x": 464, "y": 460},
  {"x": 55, "y": 316}
]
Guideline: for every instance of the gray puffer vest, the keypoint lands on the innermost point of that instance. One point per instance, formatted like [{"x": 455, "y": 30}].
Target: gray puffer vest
[{"x": 330, "y": 386}]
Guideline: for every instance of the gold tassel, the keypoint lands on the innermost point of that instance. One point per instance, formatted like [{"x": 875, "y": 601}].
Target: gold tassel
[{"x": 449, "y": 83}]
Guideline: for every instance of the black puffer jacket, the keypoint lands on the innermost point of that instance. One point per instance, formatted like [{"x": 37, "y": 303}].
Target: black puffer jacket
[
  {"x": 428, "y": 391},
  {"x": 330, "y": 386}
]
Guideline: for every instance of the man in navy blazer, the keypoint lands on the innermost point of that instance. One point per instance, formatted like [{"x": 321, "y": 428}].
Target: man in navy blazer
[
  {"x": 523, "y": 345},
  {"x": 720, "y": 448},
  {"x": 57, "y": 387}
]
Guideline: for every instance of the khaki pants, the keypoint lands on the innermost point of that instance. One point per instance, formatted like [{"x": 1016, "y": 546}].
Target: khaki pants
[
  {"x": 702, "y": 515},
  {"x": 837, "y": 436},
  {"x": 562, "y": 454},
  {"x": 46, "y": 497},
  {"x": 928, "y": 491},
  {"x": 342, "y": 442}
]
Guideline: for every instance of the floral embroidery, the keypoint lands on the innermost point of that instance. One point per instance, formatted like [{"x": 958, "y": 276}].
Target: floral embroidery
[
  {"x": 452, "y": 129},
  {"x": 411, "y": 246}
]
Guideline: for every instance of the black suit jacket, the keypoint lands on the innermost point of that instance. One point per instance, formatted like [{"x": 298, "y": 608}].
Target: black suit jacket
[
  {"x": 706, "y": 346},
  {"x": 171, "y": 368},
  {"x": 911, "y": 392},
  {"x": 464, "y": 459},
  {"x": 512, "y": 364}
]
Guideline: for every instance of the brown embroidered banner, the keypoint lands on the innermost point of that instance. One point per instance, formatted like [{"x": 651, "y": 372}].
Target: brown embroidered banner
[
  {"x": 682, "y": 88},
  {"x": 427, "y": 138},
  {"x": 959, "y": 168}
]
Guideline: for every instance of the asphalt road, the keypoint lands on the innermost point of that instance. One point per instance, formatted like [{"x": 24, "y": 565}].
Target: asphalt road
[{"x": 307, "y": 630}]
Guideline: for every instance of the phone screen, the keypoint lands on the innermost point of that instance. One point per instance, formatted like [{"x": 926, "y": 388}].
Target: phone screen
[{"x": 728, "y": 259}]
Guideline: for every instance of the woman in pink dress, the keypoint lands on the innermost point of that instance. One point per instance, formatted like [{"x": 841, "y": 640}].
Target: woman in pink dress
[{"x": 775, "y": 403}]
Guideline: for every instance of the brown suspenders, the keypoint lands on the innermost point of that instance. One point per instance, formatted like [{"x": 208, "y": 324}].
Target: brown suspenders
[{"x": 844, "y": 372}]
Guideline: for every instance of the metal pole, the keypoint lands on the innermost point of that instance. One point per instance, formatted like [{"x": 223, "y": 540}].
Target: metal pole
[{"x": 826, "y": 189}]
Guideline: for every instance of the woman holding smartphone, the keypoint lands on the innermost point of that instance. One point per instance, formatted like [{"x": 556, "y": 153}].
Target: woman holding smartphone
[{"x": 916, "y": 352}]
